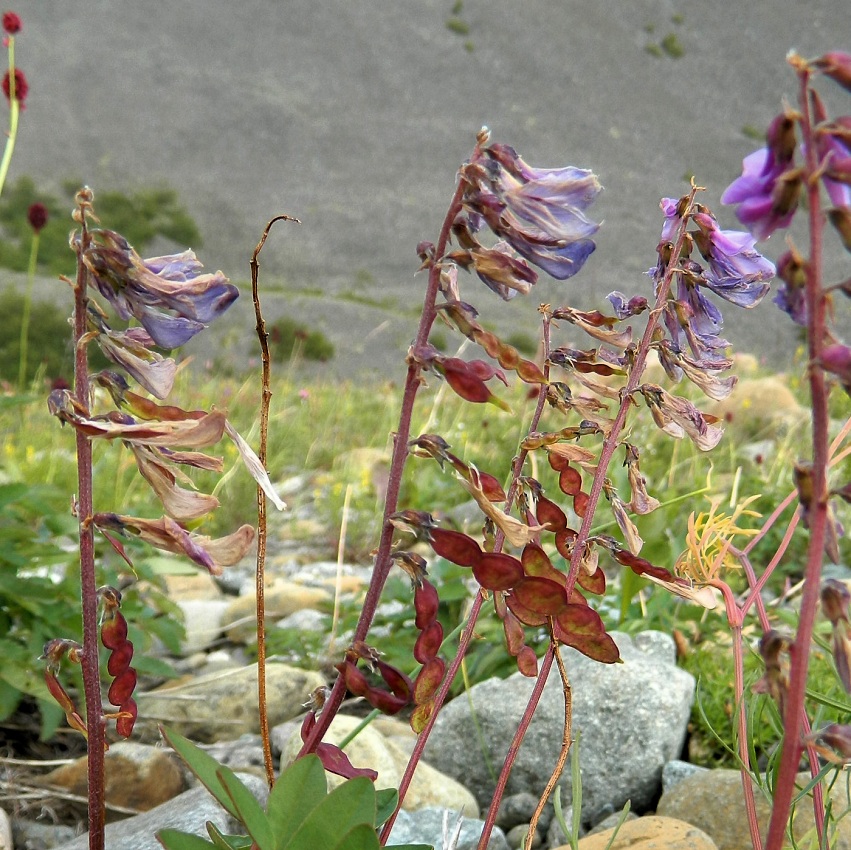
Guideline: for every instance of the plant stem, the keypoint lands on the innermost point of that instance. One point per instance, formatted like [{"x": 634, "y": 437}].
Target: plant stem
[
  {"x": 14, "y": 113},
  {"x": 818, "y": 510},
  {"x": 397, "y": 465},
  {"x": 260, "y": 594},
  {"x": 25, "y": 315},
  {"x": 611, "y": 442},
  {"x": 88, "y": 578},
  {"x": 516, "y": 741}
]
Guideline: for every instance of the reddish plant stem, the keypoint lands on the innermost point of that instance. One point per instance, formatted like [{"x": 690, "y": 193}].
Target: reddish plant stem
[
  {"x": 88, "y": 577},
  {"x": 800, "y": 654},
  {"x": 397, "y": 465},
  {"x": 516, "y": 741},
  {"x": 735, "y": 620},
  {"x": 610, "y": 443},
  {"x": 439, "y": 699},
  {"x": 475, "y": 610}
]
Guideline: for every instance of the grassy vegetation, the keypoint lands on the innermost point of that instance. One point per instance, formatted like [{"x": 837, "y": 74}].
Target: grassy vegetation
[{"x": 336, "y": 437}]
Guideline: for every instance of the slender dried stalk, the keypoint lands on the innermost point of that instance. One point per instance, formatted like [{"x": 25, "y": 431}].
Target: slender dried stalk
[
  {"x": 562, "y": 756},
  {"x": 263, "y": 336}
]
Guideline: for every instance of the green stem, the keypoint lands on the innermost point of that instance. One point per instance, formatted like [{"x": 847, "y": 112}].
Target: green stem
[
  {"x": 14, "y": 113},
  {"x": 25, "y": 315}
]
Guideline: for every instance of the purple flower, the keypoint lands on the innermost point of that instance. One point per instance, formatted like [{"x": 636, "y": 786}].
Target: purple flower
[
  {"x": 767, "y": 193},
  {"x": 169, "y": 296},
  {"x": 737, "y": 272},
  {"x": 835, "y": 153},
  {"x": 540, "y": 212}
]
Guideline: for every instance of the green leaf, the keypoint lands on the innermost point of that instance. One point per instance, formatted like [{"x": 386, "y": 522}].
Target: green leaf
[
  {"x": 204, "y": 766},
  {"x": 386, "y": 800},
  {"x": 360, "y": 837},
  {"x": 228, "y": 842},
  {"x": 298, "y": 791},
  {"x": 173, "y": 839},
  {"x": 349, "y": 804},
  {"x": 249, "y": 811}
]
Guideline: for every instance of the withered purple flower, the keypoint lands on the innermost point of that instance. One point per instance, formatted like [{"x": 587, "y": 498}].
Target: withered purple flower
[
  {"x": 540, "y": 212},
  {"x": 169, "y": 295}
]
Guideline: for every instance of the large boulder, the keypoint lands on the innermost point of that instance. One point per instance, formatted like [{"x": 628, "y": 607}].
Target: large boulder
[{"x": 631, "y": 717}]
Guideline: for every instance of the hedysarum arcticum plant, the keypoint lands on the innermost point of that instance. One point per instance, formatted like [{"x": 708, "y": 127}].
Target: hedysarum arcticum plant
[{"x": 172, "y": 299}]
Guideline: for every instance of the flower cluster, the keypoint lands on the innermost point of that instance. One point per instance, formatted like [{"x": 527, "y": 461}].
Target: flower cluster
[{"x": 731, "y": 268}]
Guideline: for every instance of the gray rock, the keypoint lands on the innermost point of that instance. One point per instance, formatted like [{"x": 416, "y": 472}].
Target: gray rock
[
  {"x": 224, "y": 705},
  {"x": 202, "y": 619},
  {"x": 516, "y": 837},
  {"x": 34, "y": 835},
  {"x": 611, "y": 821},
  {"x": 556, "y": 836},
  {"x": 306, "y": 620},
  {"x": 515, "y": 809},
  {"x": 187, "y": 812},
  {"x": 5, "y": 831},
  {"x": 429, "y": 826},
  {"x": 676, "y": 771},
  {"x": 632, "y": 718}
]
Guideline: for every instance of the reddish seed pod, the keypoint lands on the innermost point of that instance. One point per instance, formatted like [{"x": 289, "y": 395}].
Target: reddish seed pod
[
  {"x": 455, "y": 547},
  {"x": 122, "y": 687},
  {"x": 428, "y": 680},
  {"x": 113, "y": 633},
  {"x": 558, "y": 462},
  {"x": 570, "y": 481},
  {"x": 526, "y": 615},
  {"x": 536, "y": 563},
  {"x": 491, "y": 487},
  {"x": 541, "y": 595},
  {"x": 355, "y": 680},
  {"x": 594, "y": 583},
  {"x": 119, "y": 660},
  {"x": 428, "y": 642},
  {"x": 497, "y": 571},
  {"x": 396, "y": 680},
  {"x": 527, "y": 662},
  {"x": 425, "y": 604},
  {"x": 515, "y": 637},
  {"x": 580, "y": 503},
  {"x": 384, "y": 701},
  {"x": 564, "y": 542},
  {"x": 464, "y": 381},
  {"x": 550, "y": 515}
]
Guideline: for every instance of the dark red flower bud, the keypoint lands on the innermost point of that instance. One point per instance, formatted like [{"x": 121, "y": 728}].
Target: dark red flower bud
[
  {"x": 37, "y": 216},
  {"x": 11, "y": 23},
  {"x": 21, "y": 87},
  {"x": 780, "y": 137}
]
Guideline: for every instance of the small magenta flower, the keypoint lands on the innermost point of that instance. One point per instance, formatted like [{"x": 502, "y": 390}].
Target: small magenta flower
[
  {"x": 168, "y": 295},
  {"x": 11, "y": 23},
  {"x": 37, "y": 216},
  {"x": 21, "y": 87},
  {"x": 767, "y": 193}
]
